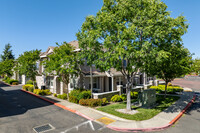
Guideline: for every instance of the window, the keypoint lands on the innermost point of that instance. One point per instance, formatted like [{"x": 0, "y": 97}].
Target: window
[
  {"x": 119, "y": 81},
  {"x": 95, "y": 83}
]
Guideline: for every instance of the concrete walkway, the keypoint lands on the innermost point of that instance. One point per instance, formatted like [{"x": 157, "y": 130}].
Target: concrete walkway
[{"x": 162, "y": 120}]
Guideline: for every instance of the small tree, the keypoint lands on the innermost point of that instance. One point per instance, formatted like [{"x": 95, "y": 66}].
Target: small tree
[
  {"x": 63, "y": 63},
  {"x": 196, "y": 66},
  {"x": 27, "y": 63},
  {"x": 124, "y": 33},
  {"x": 7, "y": 53},
  {"x": 6, "y": 67},
  {"x": 170, "y": 64}
]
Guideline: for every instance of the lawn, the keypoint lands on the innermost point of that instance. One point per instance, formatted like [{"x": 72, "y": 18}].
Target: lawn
[{"x": 143, "y": 114}]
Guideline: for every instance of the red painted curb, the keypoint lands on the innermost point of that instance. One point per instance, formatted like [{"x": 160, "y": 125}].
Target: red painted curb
[
  {"x": 121, "y": 129},
  {"x": 59, "y": 105},
  {"x": 156, "y": 128}
]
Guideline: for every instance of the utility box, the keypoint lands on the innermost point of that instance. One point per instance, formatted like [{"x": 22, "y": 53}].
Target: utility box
[{"x": 147, "y": 98}]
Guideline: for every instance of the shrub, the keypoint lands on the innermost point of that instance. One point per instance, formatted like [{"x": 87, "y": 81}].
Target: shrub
[
  {"x": 15, "y": 83},
  {"x": 116, "y": 98},
  {"x": 64, "y": 96},
  {"x": 73, "y": 99},
  {"x": 169, "y": 84},
  {"x": 30, "y": 88},
  {"x": 134, "y": 94},
  {"x": 104, "y": 101},
  {"x": 25, "y": 87},
  {"x": 91, "y": 102},
  {"x": 11, "y": 81},
  {"x": 55, "y": 95},
  {"x": 123, "y": 97},
  {"x": 84, "y": 95},
  {"x": 80, "y": 94},
  {"x": 170, "y": 89},
  {"x": 36, "y": 91},
  {"x": 83, "y": 102},
  {"x": 29, "y": 82},
  {"x": 5, "y": 78}
]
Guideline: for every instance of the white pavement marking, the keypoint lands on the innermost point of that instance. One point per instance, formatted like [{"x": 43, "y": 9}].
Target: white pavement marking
[{"x": 79, "y": 125}]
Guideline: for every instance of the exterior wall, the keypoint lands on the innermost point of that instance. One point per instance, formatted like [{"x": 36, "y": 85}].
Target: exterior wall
[
  {"x": 24, "y": 79},
  {"x": 40, "y": 81}
]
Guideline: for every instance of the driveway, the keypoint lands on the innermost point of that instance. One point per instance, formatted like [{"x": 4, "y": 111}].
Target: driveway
[{"x": 21, "y": 112}]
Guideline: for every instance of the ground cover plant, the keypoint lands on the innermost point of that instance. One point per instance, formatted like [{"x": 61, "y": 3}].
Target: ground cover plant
[{"x": 143, "y": 114}]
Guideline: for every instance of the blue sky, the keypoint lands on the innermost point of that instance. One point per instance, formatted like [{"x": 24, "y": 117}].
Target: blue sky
[{"x": 37, "y": 24}]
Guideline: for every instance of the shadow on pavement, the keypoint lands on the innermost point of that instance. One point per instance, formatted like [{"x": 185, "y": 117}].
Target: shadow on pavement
[{"x": 15, "y": 102}]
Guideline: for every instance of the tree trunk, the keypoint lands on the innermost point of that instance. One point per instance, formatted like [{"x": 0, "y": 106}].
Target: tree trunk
[
  {"x": 91, "y": 80},
  {"x": 166, "y": 83},
  {"x": 128, "y": 93}
]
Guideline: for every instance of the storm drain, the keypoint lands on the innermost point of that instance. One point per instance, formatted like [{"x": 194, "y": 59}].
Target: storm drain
[{"x": 43, "y": 128}]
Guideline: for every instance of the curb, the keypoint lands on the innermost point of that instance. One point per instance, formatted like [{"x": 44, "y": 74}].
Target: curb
[
  {"x": 59, "y": 105},
  {"x": 156, "y": 128},
  {"x": 122, "y": 129}
]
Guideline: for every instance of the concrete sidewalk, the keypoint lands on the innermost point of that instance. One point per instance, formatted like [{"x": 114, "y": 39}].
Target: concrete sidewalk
[{"x": 162, "y": 120}]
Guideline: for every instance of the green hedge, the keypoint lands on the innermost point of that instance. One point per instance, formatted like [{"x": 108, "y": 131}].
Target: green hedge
[
  {"x": 170, "y": 89},
  {"x": 13, "y": 82},
  {"x": 93, "y": 102},
  {"x": 63, "y": 96},
  {"x": 78, "y": 94}
]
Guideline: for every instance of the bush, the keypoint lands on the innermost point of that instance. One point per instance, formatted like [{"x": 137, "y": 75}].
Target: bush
[
  {"x": 30, "y": 88},
  {"x": 10, "y": 81},
  {"x": 84, "y": 95},
  {"x": 123, "y": 97},
  {"x": 104, "y": 101},
  {"x": 170, "y": 89},
  {"x": 55, "y": 95},
  {"x": 116, "y": 98},
  {"x": 73, "y": 99},
  {"x": 5, "y": 78},
  {"x": 134, "y": 95},
  {"x": 42, "y": 92},
  {"x": 80, "y": 94},
  {"x": 169, "y": 84},
  {"x": 15, "y": 83},
  {"x": 36, "y": 91},
  {"x": 91, "y": 102},
  {"x": 63, "y": 96},
  {"x": 25, "y": 87},
  {"x": 29, "y": 82}
]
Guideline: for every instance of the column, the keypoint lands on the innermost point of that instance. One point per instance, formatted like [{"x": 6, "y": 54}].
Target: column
[
  {"x": 112, "y": 83},
  {"x": 61, "y": 88}
]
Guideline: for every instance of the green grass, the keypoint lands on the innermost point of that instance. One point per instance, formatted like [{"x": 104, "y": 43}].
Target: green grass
[{"x": 143, "y": 114}]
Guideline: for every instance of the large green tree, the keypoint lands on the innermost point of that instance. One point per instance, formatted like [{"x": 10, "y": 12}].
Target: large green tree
[
  {"x": 125, "y": 33},
  {"x": 7, "y": 53},
  {"x": 63, "y": 62},
  {"x": 27, "y": 63}
]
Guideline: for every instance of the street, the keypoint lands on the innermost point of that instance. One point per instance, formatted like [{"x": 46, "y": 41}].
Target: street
[{"x": 21, "y": 112}]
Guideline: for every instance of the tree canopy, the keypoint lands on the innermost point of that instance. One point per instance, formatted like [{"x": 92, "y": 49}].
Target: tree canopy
[
  {"x": 125, "y": 34},
  {"x": 7, "y": 53},
  {"x": 63, "y": 62},
  {"x": 6, "y": 67},
  {"x": 27, "y": 63}
]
